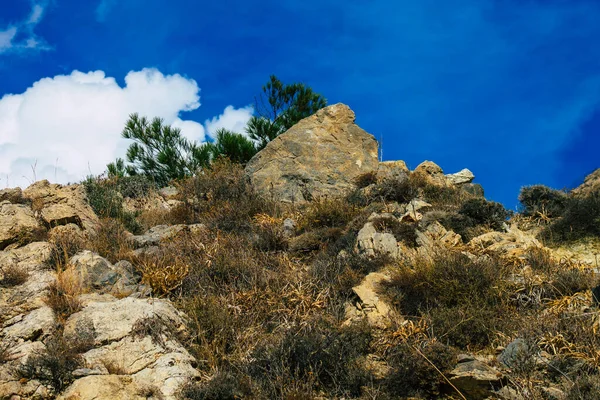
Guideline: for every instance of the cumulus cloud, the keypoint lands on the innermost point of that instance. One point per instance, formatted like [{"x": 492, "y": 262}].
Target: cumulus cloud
[
  {"x": 69, "y": 126},
  {"x": 232, "y": 119},
  {"x": 24, "y": 30}
]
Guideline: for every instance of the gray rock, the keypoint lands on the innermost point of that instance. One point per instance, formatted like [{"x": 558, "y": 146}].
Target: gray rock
[
  {"x": 321, "y": 155},
  {"x": 289, "y": 228},
  {"x": 95, "y": 271},
  {"x": 461, "y": 177},
  {"x": 156, "y": 234},
  {"x": 517, "y": 352},
  {"x": 475, "y": 379}
]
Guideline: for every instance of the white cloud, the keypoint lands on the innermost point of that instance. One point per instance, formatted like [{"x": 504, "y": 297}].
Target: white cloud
[
  {"x": 70, "y": 125},
  {"x": 231, "y": 119},
  {"x": 6, "y": 38},
  {"x": 26, "y": 30}
]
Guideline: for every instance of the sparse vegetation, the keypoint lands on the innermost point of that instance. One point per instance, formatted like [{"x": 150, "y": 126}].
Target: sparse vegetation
[{"x": 12, "y": 275}]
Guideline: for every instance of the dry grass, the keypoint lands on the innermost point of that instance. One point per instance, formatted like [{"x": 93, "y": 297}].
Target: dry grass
[
  {"x": 163, "y": 273},
  {"x": 63, "y": 294},
  {"x": 12, "y": 275},
  {"x": 110, "y": 240}
]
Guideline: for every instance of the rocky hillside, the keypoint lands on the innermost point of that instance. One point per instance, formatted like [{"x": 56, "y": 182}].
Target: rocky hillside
[{"x": 316, "y": 272}]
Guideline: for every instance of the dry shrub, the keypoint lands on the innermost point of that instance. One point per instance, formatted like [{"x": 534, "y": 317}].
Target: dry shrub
[
  {"x": 223, "y": 386},
  {"x": 320, "y": 353},
  {"x": 402, "y": 231},
  {"x": 366, "y": 179},
  {"x": 12, "y": 275},
  {"x": 155, "y": 327},
  {"x": 419, "y": 370},
  {"x": 55, "y": 364},
  {"x": 163, "y": 272},
  {"x": 269, "y": 234},
  {"x": 326, "y": 212},
  {"x": 222, "y": 197},
  {"x": 63, "y": 294},
  {"x": 110, "y": 240},
  {"x": 65, "y": 244}
]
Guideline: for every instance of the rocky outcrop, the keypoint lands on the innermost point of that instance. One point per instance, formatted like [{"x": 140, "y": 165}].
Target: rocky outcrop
[
  {"x": 61, "y": 205},
  {"x": 435, "y": 175},
  {"x": 589, "y": 185},
  {"x": 371, "y": 304},
  {"x": 512, "y": 243},
  {"x": 13, "y": 195},
  {"x": 17, "y": 224},
  {"x": 321, "y": 155}
]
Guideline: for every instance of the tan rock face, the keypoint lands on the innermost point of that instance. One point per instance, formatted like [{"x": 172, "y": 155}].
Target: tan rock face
[
  {"x": 61, "y": 205},
  {"x": 17, "y": 222},
  {"x": 319, "y": 156},
  {"x": 590, "y": 184}
]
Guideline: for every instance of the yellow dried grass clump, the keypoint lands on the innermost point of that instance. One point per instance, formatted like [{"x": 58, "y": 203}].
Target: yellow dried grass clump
[{"x": 162, "y": 274}]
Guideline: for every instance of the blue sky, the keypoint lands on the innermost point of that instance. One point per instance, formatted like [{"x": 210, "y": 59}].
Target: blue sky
[{"x": 509, "y": 89}]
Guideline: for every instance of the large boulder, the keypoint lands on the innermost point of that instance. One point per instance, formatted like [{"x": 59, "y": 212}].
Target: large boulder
[
  {"x": 319, "y": 156},
  {"x": 61, "y": 205},
  {"x": 17, "y": 224}
]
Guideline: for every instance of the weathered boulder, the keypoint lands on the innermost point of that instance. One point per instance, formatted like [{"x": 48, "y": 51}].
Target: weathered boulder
[
  {"x": 475, "y": 379},
  {"x": 378, "y": 312},
  {"x": 156, "y": 234},
  {"x": 17, "y": 224},
  {"x": 371, "y": 243},
  {"x": 13, "y": 195},
  {"x": 513, "y": 243},
  {"x": 114, "y": 319},
  {"x": 392, "y": 170},
  {"x": 61, "y": 205},
  {"x": 33, "y": 326},
  {"x": 106, "y": 387},
  {"x": 93, "y": 270},
  {"x": 321, "y": 155},
  {"x": 431, "y": 172},
  {"x": 461, "y": 177}
]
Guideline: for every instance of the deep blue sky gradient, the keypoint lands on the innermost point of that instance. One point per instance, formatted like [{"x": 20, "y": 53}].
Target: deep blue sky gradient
[{"x": 509, "y": 89}]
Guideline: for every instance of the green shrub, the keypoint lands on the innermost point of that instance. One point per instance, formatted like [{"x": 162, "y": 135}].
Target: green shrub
[
  {"x": 580, "y": 219},
  {"x": 107, "y": 202},
  {"x": 483, "y": 212},
  {"x": 135, "y": 187},
  {"x": 538, "y": 200}
]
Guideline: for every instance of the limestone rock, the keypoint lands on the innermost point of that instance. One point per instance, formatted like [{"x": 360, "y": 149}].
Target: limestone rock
[
  {"x": 13, "y": 195},
  {"x": 432, "y": 172},
  {"x": 377, "y": 311},
  {"x": 106, "y": 387},
  {"x": 31, "y": 257},
  {"x": 156, "y": 234},
  {"x": 475, "y": 379},
  {"x": 95, "y": 271},
  {"x": 321, "y": 155},
  {"x": 392, "y": 170},
  {"x": 513, "y": 243},
  {"x": 61, "y": 205},
  {"x": 461, "y": 177},
  {"x": 37, "y": 324},
  {"x": 371, "y": 243},
  {"x": 114, "y": 319},
  {"x": 169, "y": 192},
  {"x": 17, "y": 223}
]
